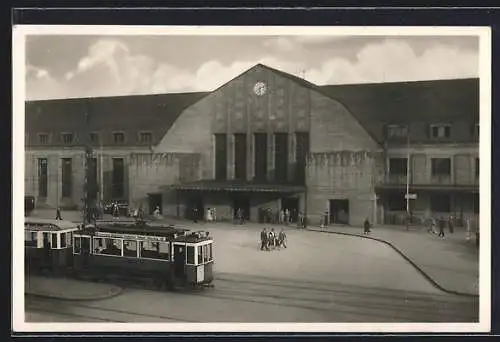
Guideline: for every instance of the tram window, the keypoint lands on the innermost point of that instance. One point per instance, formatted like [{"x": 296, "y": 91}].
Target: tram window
[
  {"x": 210, "y": 256},
  {"x": 130, "y": 248},
  {"x": 154, "y": 250},
  {"x": 200, "y": 254},
  {"x": 69, "y": 239},
  {"x": 63, "y": 240},
  {"x": 30, "y": 239},
  {"x": 205, "y": 253},
  {"x": 190, "y": 255},
  {"x": 54, "y": 240},
  {"x": 77, "y": 246},
  {"x": 107, "y": 246}
]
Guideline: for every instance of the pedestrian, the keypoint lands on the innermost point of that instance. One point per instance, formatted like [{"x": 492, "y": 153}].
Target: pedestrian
[
  {"x": 58, "y": 214},
  {"x": 272, "y": 238},
  {"x": 451, "y": 224},
  {"x": 442, "y": 224},
  {"x": 214, "y": 215},
  {"x": 467, "y": 228},
  {"x": 263, "y": 239},
  {"x": 282, "y": 216},
  {"x": 282, "y": 238},
  {"x": 195, "y": 215},
  {"x": 367, "y": 225},
  {"x": 287, "y": 216},
  {"x": 116, "y": 212}
]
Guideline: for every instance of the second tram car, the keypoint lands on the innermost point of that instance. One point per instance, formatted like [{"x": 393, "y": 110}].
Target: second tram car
[{"x": 169, "y": 255}]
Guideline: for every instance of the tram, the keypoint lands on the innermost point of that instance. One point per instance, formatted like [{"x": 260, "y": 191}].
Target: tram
[{"x": 169, "y": 255}]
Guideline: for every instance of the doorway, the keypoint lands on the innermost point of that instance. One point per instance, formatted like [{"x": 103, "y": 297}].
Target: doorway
[
  {"x": 292, "y": 204},
  {"x": 243, "y": 204},
  {"x": 179, "y": 260},
  {"x": 195, "y": 208},
  {"x": 154, "y": 200},
  {"x": 339, "y": 211}
]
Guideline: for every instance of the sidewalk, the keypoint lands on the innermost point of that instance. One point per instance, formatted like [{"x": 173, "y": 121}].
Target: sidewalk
[
  {"x": 62, "y": 288},
  {"x": 451, "y": 263}
]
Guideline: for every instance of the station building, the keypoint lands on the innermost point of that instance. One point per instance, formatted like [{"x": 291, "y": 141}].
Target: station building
[{"x": 265, "y": 140}]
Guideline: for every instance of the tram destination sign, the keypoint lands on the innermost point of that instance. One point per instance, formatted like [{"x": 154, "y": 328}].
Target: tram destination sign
[{"x": 130, "y": 236}]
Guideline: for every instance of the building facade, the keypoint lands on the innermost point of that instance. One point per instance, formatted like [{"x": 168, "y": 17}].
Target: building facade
[{"x": 266, "y": 140}]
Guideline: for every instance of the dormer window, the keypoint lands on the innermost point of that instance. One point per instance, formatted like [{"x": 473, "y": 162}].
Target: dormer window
[
  {"x": 440, "y": 131},
  {"x": 397, "y": 132},
  {"x": 118, "y": 138},
  {"x": 67, "y": 138},
  {"x": 43, "y": 139},
  {"x": 94, "y": 138},
  {"x": 145, "y": 137}
]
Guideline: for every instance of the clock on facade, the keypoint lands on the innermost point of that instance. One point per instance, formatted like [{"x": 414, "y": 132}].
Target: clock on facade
[{"x": 260, "y": 88}]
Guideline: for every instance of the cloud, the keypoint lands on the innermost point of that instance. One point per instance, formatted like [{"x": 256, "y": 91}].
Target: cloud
[{"x": 110, "y": 68}]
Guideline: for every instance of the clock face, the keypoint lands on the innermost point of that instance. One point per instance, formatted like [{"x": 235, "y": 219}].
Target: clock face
[{"x": 260, "y": 88}]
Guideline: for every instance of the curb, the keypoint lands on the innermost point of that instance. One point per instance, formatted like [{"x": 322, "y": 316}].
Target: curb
[
  {"x": 420, "y": 270},
  {"x": 115, "y": 291}
]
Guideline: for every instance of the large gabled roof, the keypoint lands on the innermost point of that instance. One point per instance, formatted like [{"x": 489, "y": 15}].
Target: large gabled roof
[{"x": 418, "y": 104}]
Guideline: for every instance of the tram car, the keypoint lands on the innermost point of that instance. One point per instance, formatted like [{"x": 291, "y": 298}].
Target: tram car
[
  {"x": 173, "y": 257},
  {"x": 48, "y": 245}
]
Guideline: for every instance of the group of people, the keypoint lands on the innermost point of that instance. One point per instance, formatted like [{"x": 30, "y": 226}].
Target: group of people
[
  {"x": 284, "y": 216},
  {"x": 271, "y": 240},
  {"x": 211, "y": 215},
  {"x": 441, "y": 224}
]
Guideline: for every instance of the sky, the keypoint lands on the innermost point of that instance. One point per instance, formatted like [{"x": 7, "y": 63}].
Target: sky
[{"x": 59, "y": 66}]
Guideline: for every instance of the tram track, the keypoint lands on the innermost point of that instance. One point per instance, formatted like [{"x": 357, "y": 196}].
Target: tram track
[{"x": 40, "y": 303}]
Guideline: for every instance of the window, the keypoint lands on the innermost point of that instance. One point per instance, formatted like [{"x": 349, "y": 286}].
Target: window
[
  {"x": 440, "y": 203},
  {"x": 205, "y": 253},
  {"x": 441, "y": 166},
  {"x": 42, "y": 177},
  {"x": 260, "y": 156},
  {"x": 67, "y": 177},
  {"x": 240, "y": 156},
  {"x": 154, "y": 250},
  {"x": 200, "y": 254},
  {"x": 210, "y": 255},
  {"x": 63, "y": 240},
  {"x": 220, "y": 156},
  {"x": 30, "y": 238},
  {"x": 69, "y": 239},
  {"x": 190, "y": 255},
  {"x": 67, "y": 138},
  {"x": 281, "y": 157},
  {"x": 397, "y": 131},
  {"x": 94, "y": 138},
  {"x": 130, "y": 248},
  {"x": 118, "y": 178},
  {"x": 145, "y": 137},
  {"x": 118, "y": 138},
  {"x": 440, "y": 131},
  {"x": 107, "y": 246},
  {"x": 77, "y": 245},
  {"x": 43, "y": 139},
  {"x": 301, "y": 151},
  {"x": 397, "y": 202},
  {"x": 54, "y": 240},
  {"x": 398, "y": 166},
  {"x": 92, "y": 185},
  {"x": 477, "y": 167}
]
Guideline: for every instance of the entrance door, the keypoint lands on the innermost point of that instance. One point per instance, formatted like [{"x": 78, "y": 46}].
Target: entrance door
[
  {"x": 154, "y": 200},
  {"x": 339, "y": 211},
  {"x": 179, "y": 260},
  {"x": 195, "y": 209},
  {"x": 292, "y": 204},
  {"x": 243, "y": 204}
]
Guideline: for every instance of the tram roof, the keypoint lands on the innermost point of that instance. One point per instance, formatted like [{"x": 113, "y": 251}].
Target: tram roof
[{"x": 49, "y": 224}]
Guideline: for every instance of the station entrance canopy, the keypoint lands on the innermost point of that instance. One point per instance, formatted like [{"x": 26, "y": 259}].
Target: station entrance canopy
[{"x": 236, "y": 186}]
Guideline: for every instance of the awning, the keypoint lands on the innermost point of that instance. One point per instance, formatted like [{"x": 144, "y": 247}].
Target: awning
[
  {"x": 430, "y": 187},
  {"x": 235, "y": 186}
]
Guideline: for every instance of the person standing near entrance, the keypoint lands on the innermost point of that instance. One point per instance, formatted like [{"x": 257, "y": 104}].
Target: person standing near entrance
[
  {"x": 442, "y": 224},
  {"x": 195, "y": 215},
  {"x": 367, "y": 225},
  {"x": 467, "y": 228},
  {"x": 450, "y": 224},
  {"x": 58, "y": 213}
]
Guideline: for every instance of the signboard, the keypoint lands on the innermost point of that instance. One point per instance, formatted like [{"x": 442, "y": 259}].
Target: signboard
[
  {"x": 130, "y": 236},
  {"x": 411, "y": 196}
]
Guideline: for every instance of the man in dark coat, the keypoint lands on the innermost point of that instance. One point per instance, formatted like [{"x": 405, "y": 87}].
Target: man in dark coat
[
  {"x": 442, "y": 224},
  {"x": 58, "y": 214},
  {"x": 263, "y": 240},
  {"x": 450, "y": 224},
  {"x": 366, "y": 229}
]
